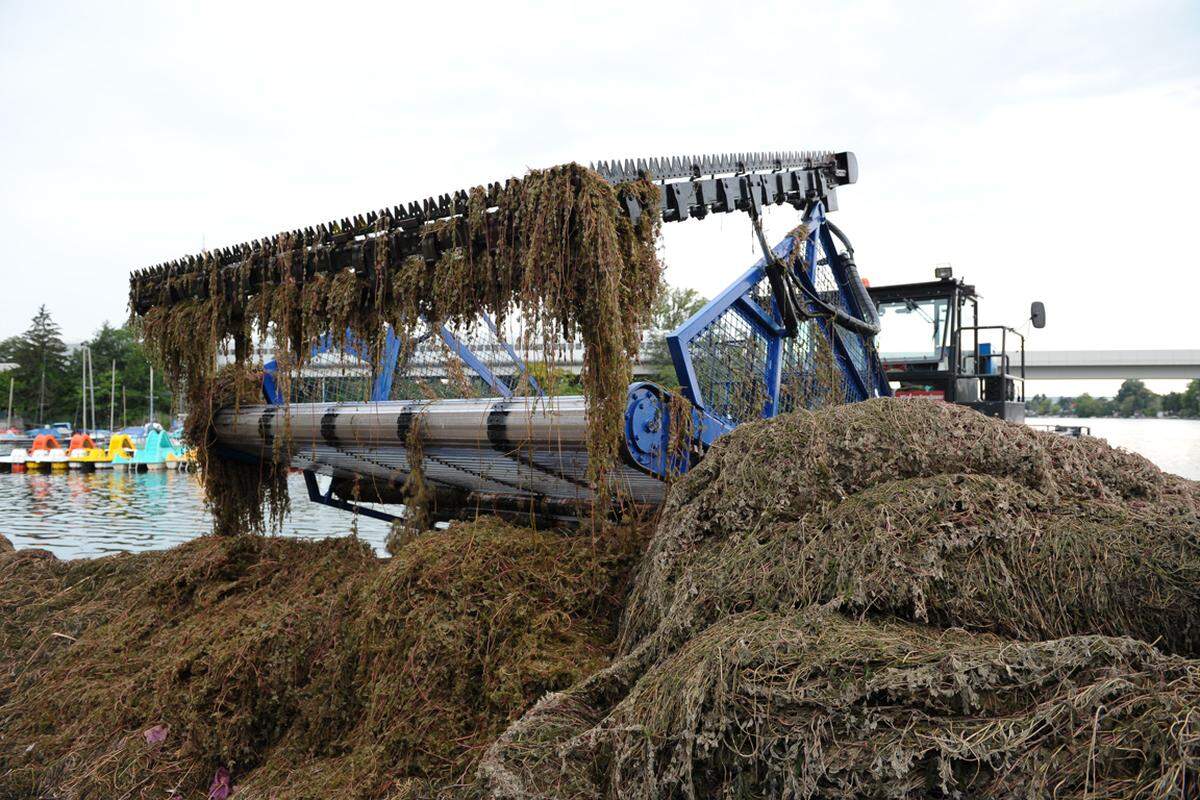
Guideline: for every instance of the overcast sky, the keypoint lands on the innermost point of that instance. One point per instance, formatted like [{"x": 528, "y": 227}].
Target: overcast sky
[{"x": 1047, "y": 150}]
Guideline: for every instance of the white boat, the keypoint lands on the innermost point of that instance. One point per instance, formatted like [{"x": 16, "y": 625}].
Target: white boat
[
  {"x": 15, "y": 460},
  {"x": 46, "y": 453}
]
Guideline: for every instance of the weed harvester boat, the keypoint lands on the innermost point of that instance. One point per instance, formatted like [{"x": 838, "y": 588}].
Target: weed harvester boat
[{"x": 796, "y": 329}]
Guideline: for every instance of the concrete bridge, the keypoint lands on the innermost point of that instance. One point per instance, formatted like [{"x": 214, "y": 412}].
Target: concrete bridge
[
  {"x": 1092, "y": 364},
  {"x": 1039, "y": 364}
]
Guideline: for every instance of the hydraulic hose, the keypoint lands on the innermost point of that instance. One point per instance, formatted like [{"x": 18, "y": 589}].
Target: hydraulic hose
[
  {"x": 784, "y": 283},
  {"x": 870, "y": 321}
]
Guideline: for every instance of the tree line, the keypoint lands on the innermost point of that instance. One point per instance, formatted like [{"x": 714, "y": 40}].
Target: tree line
[
  {"x": 1133, "y": 399},
  {"x": 47, "y": 380}
]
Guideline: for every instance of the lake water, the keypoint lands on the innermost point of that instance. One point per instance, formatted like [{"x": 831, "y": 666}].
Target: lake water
[
  {"x": 92, "y": 514},
  {"x": 84, "y": 514},
  {"x": 1172, "y": 444}
]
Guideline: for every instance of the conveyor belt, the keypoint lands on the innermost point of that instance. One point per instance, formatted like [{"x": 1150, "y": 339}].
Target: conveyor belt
[{"x": 523, "y": 449}]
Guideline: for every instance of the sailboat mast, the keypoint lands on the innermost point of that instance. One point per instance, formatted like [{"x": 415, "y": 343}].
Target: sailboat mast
[
  {"x": 112, "y": 399},
  {"x": 92, "y": 386},
  {"x": 42, "y": 395},
  {"x": 83, "y": 386}
]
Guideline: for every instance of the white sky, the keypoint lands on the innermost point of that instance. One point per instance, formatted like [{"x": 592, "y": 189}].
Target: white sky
[{"x": 1047, "y": 150}]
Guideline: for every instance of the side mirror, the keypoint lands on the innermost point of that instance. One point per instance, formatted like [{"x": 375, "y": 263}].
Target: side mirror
[{"x": 1037, "y": 314}]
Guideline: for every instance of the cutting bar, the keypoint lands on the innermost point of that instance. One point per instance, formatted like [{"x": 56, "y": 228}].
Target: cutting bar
[{"x": 692, "y": 187}]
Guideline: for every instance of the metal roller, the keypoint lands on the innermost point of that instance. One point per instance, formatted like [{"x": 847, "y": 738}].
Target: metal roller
[{"x": 476, "y": 450}]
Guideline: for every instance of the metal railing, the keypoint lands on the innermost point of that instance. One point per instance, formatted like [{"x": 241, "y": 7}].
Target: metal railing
[{"x": 1005, "y": 374}]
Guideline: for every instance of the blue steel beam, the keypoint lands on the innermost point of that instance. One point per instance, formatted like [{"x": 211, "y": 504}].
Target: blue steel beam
[{"x": 737, "y": 299}]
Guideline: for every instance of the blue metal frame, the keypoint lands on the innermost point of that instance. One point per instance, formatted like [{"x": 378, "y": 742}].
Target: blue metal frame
[
  {"x": 381, "y": 387},
  {"x": 736, "y": 298},
  {"x": 471, "y": 360}
]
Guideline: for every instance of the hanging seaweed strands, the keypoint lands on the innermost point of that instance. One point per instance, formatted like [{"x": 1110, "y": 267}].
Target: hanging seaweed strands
[{"x": 554, "y": 245}]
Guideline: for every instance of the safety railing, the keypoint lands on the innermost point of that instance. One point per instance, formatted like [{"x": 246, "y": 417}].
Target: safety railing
[{"x": 1005, "y": 375}]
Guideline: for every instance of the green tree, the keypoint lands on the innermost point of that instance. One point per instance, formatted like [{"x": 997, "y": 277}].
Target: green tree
[
  {"x": 1189, "y": 405},
  {"x": 1172, "y": 403},
  {"x": 675, "y": 305},
  {"x": 7, "y": 349},
  {"x": 1135, "y": 400},
  {"x": 41, "y": 391},
  {"x": 1088, "y": 406},
  {"x": 42, "y": 346},
  {"x": 1039, "y": 406}
]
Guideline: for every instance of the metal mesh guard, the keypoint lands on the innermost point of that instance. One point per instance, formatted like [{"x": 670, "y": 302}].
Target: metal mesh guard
[
  {"x": 732, "y": 357},
  {"x": 729, "y": 358}
]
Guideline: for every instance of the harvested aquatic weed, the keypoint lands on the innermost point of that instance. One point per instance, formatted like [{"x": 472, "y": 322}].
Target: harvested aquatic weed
[
  {"x": 796, "y": 496},
  {"x": 555, "y": 250},
  {"x": 418, "y": 498},
  {"x": 307, "y": 669},
  {"x": 974, "y": 551},
  {"x": 810, "y": 704},
  {"x": 899, "y": 599},
  {"x": 895, "y": 599}
]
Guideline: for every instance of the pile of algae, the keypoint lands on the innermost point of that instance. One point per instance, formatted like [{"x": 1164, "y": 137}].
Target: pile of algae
[
  {"x": 302, "y": 669},
  {"x": 556, "y": 249},
  {"x": 894, "y": 599},
  {"x": 898, "y": 599},
  {"x": 932, "y": 512},
  {"x": 811, "y": 703}
]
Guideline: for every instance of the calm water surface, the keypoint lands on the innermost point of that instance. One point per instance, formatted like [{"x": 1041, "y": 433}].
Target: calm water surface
[
  {"x": 1172, "y": 444},
  {"x": 92, "y": 514},
  {"x": 87, "y": 514}
]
